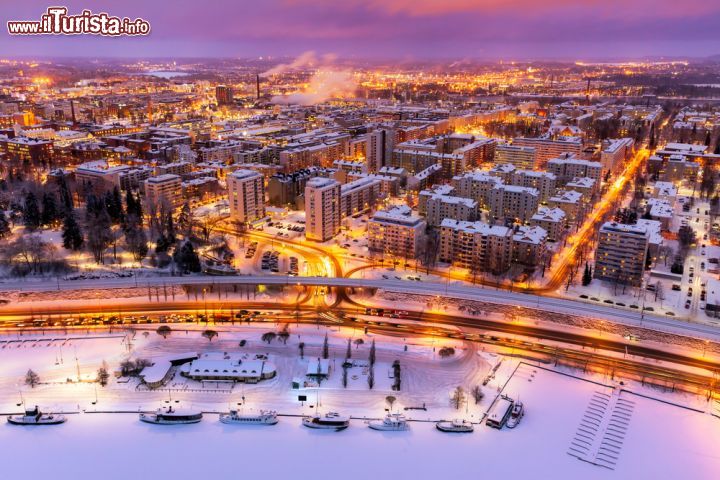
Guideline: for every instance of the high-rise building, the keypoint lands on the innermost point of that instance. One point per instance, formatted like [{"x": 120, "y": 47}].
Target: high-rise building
[
  {"x": 246, "y": 190},
  {"x": 375, "y": 150},
  {"x": 223, "y": 95},
  {"x": 164, "y": 189},
  {"x": 547, "y": 148},
  {"x": 615, "y": 152},
  {"x": 621, "y": 253},
  {"x": 521, "y": 157},
  {"x": 322, "y": 209}
]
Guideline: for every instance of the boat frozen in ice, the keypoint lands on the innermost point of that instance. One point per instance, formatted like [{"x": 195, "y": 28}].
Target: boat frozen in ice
[
  {"x": 516, "y": 414},
  {"x": 391, "y": 422},
  {"x": 34, "y": 416},
  {"x": 265, "y": 417},
  {"x": 170, "y": 416},
  {"x": 328, "y": 421},
  {"x": 455, "y": 426}
]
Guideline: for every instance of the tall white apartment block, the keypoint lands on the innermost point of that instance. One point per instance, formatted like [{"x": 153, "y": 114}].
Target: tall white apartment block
[
  {"x": 521, "y": 157},
  {"x": 246, "y": 190},
  {"x": 165, "y": 189},
  {"x": 322, "y": 209}
]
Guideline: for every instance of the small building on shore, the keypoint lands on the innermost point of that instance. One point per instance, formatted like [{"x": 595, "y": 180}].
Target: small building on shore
[
  {"x": 225, "y": 368},
  {"x": 161, "y": 370}
]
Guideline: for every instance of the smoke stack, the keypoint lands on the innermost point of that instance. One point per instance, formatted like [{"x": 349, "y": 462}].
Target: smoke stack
[
  {"x": 72, "y": 111},
  {"x": 257, "y": 86}
]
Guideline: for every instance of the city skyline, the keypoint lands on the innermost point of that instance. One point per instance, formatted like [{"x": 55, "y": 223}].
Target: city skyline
[{"x": 398, "y": 29}]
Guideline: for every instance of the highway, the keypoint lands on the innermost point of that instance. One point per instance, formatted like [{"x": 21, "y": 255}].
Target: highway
[{"x": 462, "y": 292}]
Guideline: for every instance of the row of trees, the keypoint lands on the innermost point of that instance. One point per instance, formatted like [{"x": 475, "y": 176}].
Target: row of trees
[
  {"x": 458, "y": 396},
  {"x": 108, "y": 219}
]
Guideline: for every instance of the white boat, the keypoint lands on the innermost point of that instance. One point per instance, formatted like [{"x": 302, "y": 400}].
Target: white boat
[
  {"x": 516, "y": 414},
  {"x": 35, "y": 417},
  {"x": 265, "y": 417},
  {"x": 329, "y": 421},
  {"x": 455, "y": 426},
  {"x": 169, "y": 416},
  {"x": 391, "y": 422}
]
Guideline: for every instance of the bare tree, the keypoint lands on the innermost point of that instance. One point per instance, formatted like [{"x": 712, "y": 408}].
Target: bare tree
[
  {"x": 477, "y": 393},
  {"x": 210, "y": 334},
  {"x": 268, "y": 337},
  {"x": 164, "y": 330},
  {"x": 457, "y": 398},
  {"x": 32, "y": 378},
  {"x": 102, "y": 374}
]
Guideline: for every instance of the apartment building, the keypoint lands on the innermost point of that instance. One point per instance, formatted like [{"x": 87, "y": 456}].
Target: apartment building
[
  {"x": 246, "y": 192},
  {"x": 521, "y": 157},
  {"x": 476, "y": 185},
  {"x": 396, "y": 232},
  {"x": 513, "y": 203},
  {"x": 359, "y": 196},
  {"x": 29, "y": 150},
  {"x": 322, "y": 209},
  {"x": 528, "y": 246},
  {"x": 288, "y": 189},
  {"x": 543, "y": 182},
  {"x": 552, "y": 220},
  {"x": 585, "y": 185},
  {"x": 621, "y": 253},
  {"x": 615, "y": 152},
  {"x": 477, "y": 246},
  {"x": 440, "y": 206},
  {"x": 425, "y": 195},
  {"x": 164, "y": 189},
  {"x": 547, "y": 148},
  {"x": 504, "y": 171},
  {"x": 567, "y": 167},
  {"x": 570, "y": 202}
]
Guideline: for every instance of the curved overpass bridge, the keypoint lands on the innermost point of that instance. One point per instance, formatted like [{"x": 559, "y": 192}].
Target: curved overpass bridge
[{"x": 461, "y": 292}]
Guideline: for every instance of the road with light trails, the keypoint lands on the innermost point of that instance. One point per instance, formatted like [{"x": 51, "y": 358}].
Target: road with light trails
[{"x": 461, "y": 292}]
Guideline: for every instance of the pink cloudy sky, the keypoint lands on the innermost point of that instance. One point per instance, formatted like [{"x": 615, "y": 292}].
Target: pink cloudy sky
[{"x": 578, "y": 29}]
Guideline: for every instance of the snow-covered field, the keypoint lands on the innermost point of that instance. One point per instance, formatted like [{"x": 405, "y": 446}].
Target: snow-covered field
[
  {"x": 662, "y": 441},
  {"x": 659, "y": 440}
]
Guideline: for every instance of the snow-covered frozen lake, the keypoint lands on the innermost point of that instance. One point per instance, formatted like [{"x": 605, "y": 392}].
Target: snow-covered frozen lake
[{"x": 662, "y": 442}]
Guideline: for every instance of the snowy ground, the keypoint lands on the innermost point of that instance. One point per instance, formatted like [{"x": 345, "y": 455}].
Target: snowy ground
[{"x": 681, "y": 445}]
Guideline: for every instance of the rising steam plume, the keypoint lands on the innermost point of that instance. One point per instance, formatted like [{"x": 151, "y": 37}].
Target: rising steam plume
[{"x": 327, "y": 81}]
